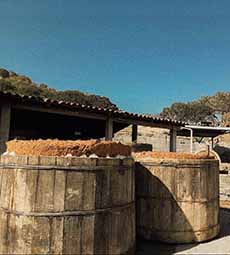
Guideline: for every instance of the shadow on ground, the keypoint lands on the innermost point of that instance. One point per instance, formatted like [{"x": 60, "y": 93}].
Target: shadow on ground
[
  {"x": 159, "y": 248},
  {"x": 224, "y": 223},
  {"x": 148, "y": 247}
]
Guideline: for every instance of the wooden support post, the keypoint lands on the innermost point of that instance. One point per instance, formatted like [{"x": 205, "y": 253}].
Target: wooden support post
[
  {"x": 212, "y": 143},
  {"x": 5, "y": 115},
  {"x": 109, "y": 130},
  {"x": 134, "y": 133},
  {"x": 191, "y": 140},
  {"x": 173, "y": 135}
]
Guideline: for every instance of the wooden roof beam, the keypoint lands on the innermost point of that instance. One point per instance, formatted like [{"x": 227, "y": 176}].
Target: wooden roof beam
[{"x": 76, "y": 113}]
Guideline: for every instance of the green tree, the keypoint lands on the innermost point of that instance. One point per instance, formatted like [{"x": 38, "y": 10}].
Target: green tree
[
  {"x": 4, "y": 73},
  {"x": 12, "y": 82},
  {"x": 192, "y": 112}
]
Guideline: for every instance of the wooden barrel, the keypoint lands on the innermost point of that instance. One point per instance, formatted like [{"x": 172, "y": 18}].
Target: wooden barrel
[
  {"x": 177, "y": 200},
  {"x": 211, "y": 153},
  {"x": 57, "y": 205}
]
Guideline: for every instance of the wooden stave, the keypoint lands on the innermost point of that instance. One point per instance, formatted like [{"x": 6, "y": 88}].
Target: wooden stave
[
  {"x": 57, "y": 235},
  {"x": 144, "y": 193},
  {"x": 113, "y": 209}
]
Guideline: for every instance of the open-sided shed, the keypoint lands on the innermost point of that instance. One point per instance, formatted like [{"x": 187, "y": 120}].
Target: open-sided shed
[
  {"x": 30, "y": 117},
  {"x": 202, "y": 132}
]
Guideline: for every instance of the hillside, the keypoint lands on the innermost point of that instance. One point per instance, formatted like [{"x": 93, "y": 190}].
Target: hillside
[{"x": 20, "y": 84}]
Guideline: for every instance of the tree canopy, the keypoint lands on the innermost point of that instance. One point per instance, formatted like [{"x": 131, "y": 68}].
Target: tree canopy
[
  {"x": 20, "y": 84},
  {"x": 214, "y": 108}
]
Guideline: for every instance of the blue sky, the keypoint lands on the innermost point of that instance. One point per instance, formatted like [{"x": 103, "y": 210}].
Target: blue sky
[{"x": 143, "y": 55}]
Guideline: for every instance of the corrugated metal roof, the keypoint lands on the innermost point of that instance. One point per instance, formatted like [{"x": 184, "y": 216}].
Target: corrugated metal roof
[
  {"x": 207, "y": 128},
  {"x": 32, "y": 100}
]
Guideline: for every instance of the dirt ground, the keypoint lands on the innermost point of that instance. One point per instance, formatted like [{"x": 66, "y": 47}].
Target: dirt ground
[
  {"x": 71, "y": 148},
  {"x": 219, "y": 245}
]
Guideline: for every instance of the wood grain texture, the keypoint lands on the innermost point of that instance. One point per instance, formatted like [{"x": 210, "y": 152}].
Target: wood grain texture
[
  {"x": 52, "y": 205},
  {"x": 177, "y": 201}
]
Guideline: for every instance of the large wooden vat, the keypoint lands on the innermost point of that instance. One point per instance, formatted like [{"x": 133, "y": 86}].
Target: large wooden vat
[
  {"x": 177, "y": 200},
  {"x": 62, "y": 205}
]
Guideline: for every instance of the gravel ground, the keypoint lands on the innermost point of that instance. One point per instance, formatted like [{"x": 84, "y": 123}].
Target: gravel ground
[{"x": 220, "y": 245}]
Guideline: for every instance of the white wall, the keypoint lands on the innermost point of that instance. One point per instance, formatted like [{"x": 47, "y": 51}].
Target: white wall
[{"x": 159, "y": 138}]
